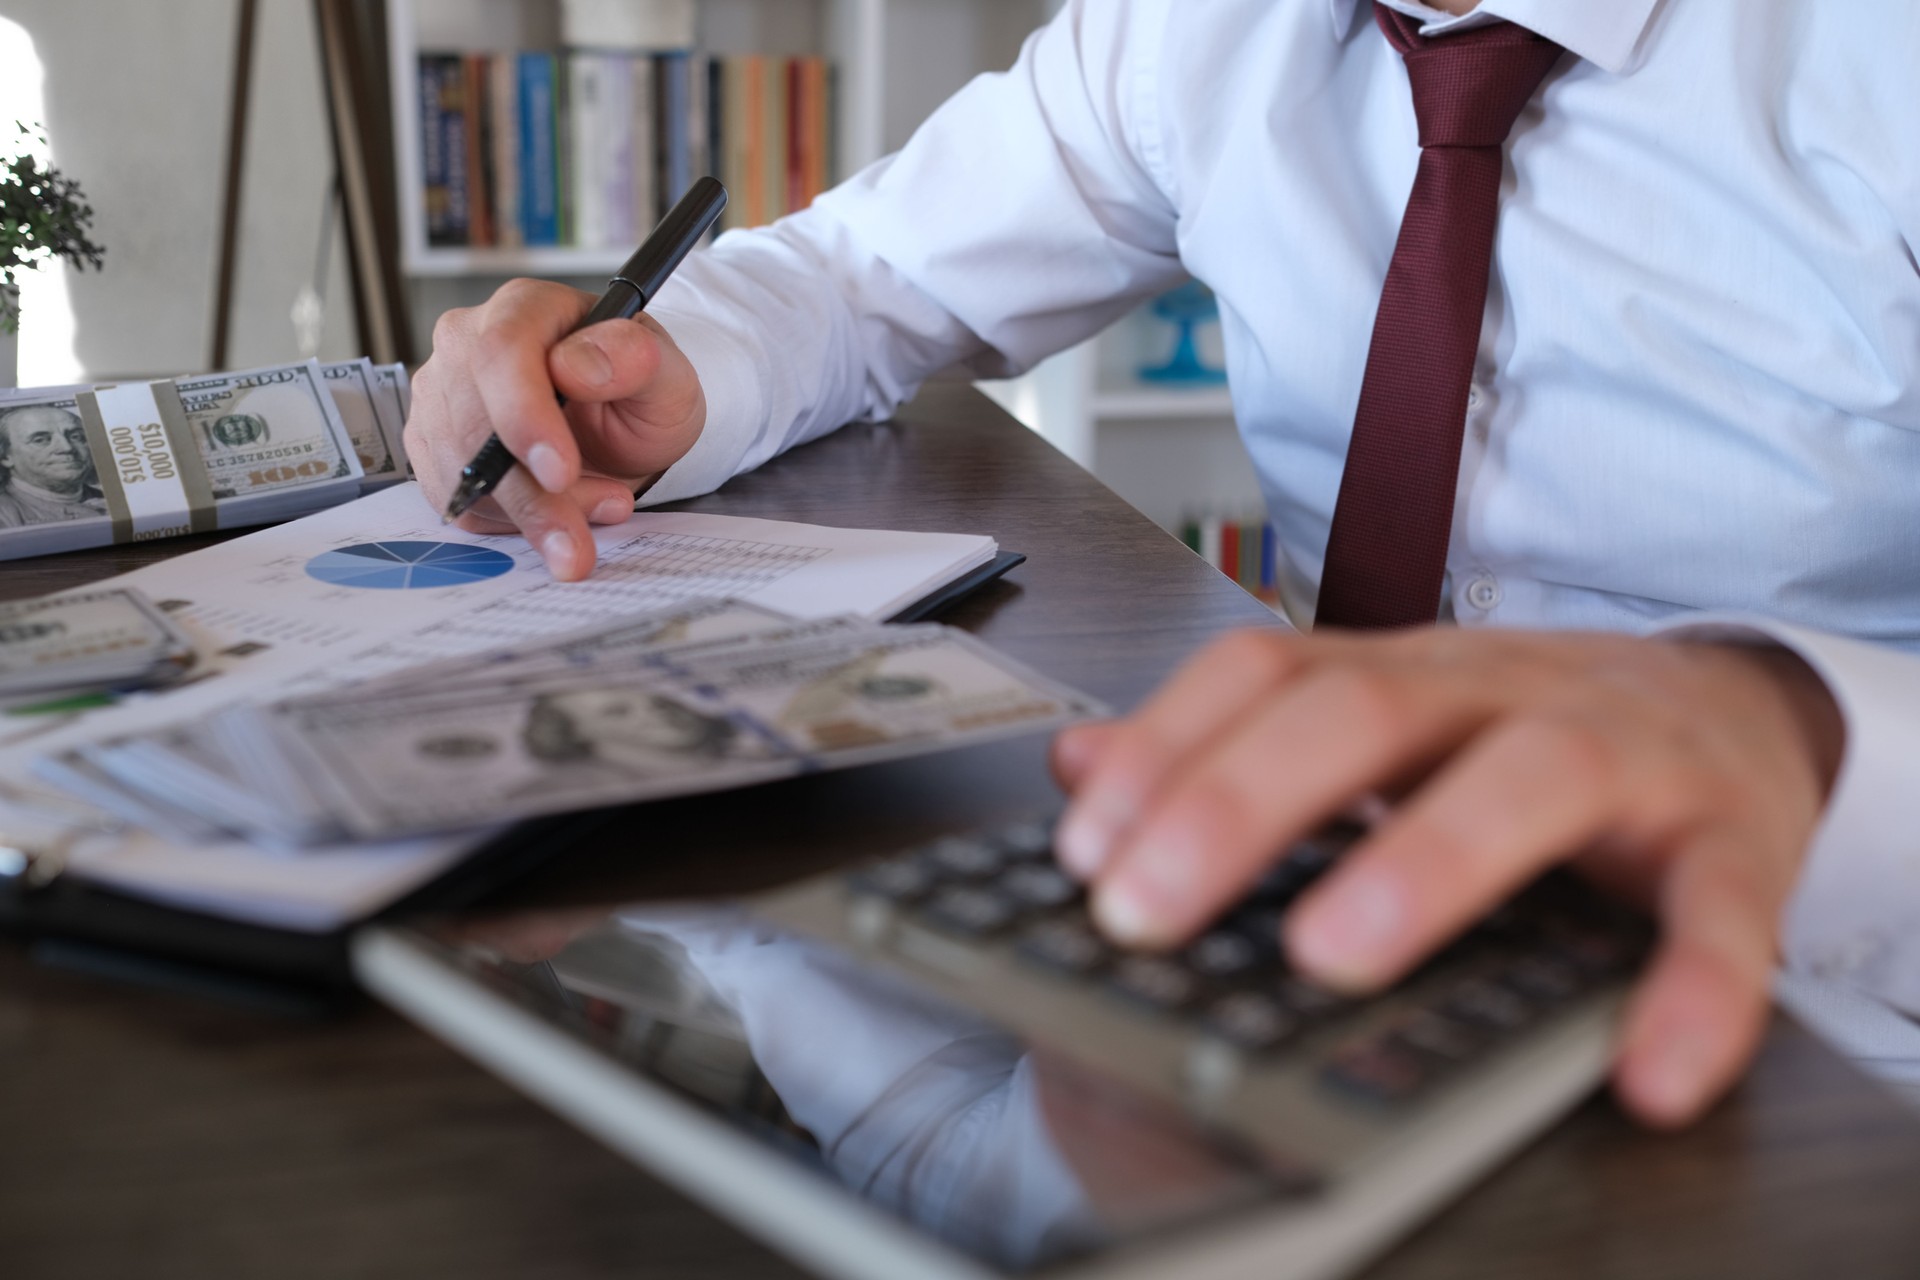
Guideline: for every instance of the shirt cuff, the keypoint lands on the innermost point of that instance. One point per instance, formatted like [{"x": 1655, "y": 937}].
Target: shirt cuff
[
  {"x": 1854, "y": 917},
  {"x": 734, "y": 408}
]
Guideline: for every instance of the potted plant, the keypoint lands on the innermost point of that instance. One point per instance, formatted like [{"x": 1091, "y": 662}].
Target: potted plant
[{"x": 43, "y": 216}]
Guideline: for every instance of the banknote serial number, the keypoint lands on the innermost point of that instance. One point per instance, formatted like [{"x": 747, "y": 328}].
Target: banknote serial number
[{"x": 141, "y": 453}]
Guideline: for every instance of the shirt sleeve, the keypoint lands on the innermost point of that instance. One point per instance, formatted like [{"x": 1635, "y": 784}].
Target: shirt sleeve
[
  {"x": 1854, "y": 917},
  {"x": 1023, "y": 217}
]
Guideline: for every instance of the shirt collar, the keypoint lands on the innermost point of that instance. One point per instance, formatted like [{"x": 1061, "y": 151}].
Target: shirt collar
[{"x": 1603, "y": 32}]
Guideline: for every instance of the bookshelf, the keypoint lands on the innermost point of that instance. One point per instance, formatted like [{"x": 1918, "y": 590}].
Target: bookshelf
[{"x": 1171, "y": 451}]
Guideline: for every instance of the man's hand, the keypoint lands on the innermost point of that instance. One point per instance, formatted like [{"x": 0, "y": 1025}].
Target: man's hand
[
  {"x": 1687, "y": 776},
  {"x": 634, "y": 408}
]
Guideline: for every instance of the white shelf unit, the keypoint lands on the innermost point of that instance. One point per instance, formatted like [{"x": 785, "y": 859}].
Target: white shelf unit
[
  {"x": 894, "y": 61},
  {"x": 1169, "y": 450}
]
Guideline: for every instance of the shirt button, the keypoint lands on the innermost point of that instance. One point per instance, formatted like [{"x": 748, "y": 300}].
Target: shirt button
[
  {"x": 1473, "y": 397},
  {"x": 1483, "y": 593}
]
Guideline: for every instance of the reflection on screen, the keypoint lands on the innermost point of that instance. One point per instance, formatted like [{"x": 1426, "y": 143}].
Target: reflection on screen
[{"x": 1007, "y": 1152}]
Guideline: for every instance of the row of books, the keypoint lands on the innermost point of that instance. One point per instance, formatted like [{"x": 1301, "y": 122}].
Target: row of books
[
  {"x": 1241, "y": 549},
  {"x": 589, "y": 149}
]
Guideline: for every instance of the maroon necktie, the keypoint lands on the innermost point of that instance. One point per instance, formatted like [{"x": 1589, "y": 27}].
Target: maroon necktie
[{"x": 1387, "y": 553}]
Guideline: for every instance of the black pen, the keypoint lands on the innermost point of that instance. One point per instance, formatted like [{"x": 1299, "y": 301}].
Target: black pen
[{"x": 627, "y": 296}]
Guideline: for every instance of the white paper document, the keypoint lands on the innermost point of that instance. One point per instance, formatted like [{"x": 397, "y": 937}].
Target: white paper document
[{"x": 377, "y": 585}]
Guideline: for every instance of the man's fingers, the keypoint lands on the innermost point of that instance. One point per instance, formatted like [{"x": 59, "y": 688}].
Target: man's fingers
[
  {"x": 1077, "y": 749},
  {"x": 1702, "y": 1005},
  {"x": 1279, "y": 773},
  {"x": 1209, "y": 693},
  {"x": 517, "y": 330},
  {"x": 614, "y": 360},
  {"x": 1528, "y": 793},
  {"x": 552, "y": 522},
  {"x": 601, "y": 500}
]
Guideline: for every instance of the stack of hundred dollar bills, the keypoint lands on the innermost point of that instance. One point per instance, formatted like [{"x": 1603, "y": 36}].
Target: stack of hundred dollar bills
[
  {"x": 698, "y": 697},
  {"x": 92, "y": 465},
  {"x": 85, "y": 643}
]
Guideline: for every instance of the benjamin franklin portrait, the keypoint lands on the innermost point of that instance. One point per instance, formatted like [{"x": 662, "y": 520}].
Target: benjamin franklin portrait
[
  {"x": 630, "y": 730},
  {"x": 46, "y": 471}
]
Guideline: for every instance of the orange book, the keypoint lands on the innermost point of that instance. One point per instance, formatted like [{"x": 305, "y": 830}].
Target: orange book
[
  {"x": 753, "y": 196},
  {"x": 479, "y": 152},
  {"x": 818, "y": 128}
]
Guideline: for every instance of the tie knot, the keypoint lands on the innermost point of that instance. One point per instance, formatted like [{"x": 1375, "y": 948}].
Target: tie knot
[{"x": 1469, "y": 88}]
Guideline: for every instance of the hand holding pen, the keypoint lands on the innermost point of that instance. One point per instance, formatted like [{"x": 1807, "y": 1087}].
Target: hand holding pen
[{"x": 591, "y": 409}]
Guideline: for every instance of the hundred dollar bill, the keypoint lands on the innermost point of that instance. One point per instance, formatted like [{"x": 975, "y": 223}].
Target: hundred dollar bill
[
  {"x": 370, "y": 411},
  {"x": 705, "y": 716},
  {"x": 878, "y": 690},
  {"x": 87, "y": 640},
  {"x": 266, "y": 429}
]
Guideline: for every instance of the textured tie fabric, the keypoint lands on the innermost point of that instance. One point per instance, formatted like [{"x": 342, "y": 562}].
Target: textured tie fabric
[{"x": 1387, "y": 554}]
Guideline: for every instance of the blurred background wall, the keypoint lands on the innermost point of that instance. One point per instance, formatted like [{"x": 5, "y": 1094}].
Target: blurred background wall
[{"x": 135, "y": 98}]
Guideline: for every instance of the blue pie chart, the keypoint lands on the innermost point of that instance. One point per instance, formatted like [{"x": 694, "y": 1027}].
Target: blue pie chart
[{"x": 408, "y": 566}]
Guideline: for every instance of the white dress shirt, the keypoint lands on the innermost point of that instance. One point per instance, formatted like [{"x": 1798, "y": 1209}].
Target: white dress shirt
[{"x": 1698, "y": 387}]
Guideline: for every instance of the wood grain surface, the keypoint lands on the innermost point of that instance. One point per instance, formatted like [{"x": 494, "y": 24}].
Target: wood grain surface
[{"x": 146, "y": 1134}]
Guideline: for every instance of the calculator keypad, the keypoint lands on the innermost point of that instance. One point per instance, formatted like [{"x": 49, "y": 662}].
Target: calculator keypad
[{"x": 1232, "y": 983}]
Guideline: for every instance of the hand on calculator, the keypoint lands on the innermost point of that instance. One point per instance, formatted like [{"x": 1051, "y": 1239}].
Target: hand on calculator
[{"x": 1688, "y": 776}]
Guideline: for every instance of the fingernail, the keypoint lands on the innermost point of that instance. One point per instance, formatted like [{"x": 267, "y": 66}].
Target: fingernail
[
  {"x": 1125, "y": 916},
  {"x": 587, "y": 363},
  {"x": 613, "y": 511},
  {"x": 557, "y": 549},
  {"x": 1083, "y": 842},
  {"x": 1345, "y": 938},
  {"x": 548, "y": 468},
  {"x": 1669, "y": 1080},
  {"x": 1144, "y": 903}
]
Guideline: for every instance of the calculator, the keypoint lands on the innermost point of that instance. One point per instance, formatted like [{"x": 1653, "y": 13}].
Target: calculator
[{"x": 933, "y": 1064}]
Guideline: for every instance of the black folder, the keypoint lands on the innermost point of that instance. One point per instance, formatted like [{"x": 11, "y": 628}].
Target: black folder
[{"x": 74, "y": 924}]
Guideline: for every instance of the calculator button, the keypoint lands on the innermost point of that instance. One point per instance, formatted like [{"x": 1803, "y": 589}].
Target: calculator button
[
  {"x": 1253, "y": 1020},
  {"x": 1491, "y": 1006},
  {"x": 1155, "y": 981},
  {"x": 1258, "y": 925},
  {"x": 1038, "y": 885},
  {"x": 1223, "y": 954},
  {"x": 1027, "y": 840},
  {"x": 973, "y": 911},
  {"x": 904, "y": 880},
  {"x": 965, "y": 857},
  {"x": 1592, "y": 954},
  {"x": 1543, "y": 979},
  {"x": 1444, "y": 1040},
  {"x": 1309, "y": 1001},
  {"x": 1067, "y": 946}
]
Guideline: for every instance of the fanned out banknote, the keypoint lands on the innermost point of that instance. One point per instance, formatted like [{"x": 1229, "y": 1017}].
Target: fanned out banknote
[
  {"x": 91, "y": 465},
  {"x": 701, "y": 697},
  {"x": 82, "y": 642}
]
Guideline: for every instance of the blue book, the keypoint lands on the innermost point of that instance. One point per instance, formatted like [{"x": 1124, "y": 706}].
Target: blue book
[
  {"x": 674, "y": 128},
  {"x": 443, "y": 149},
  {"x": 539, "y": 153}
]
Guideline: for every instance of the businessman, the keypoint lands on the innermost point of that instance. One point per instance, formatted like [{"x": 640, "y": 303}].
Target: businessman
[{"x": 1577, "y": 348}]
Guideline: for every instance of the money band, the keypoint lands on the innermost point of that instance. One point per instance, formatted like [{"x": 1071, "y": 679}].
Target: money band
[{"x": 152, "y": 477}]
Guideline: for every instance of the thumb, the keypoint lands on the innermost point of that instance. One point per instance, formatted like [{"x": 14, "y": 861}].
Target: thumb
[{"x": 617, "y": 360}]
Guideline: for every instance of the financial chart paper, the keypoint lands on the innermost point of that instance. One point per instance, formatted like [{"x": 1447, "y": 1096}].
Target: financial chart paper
[{"x": 265, "y": 626}]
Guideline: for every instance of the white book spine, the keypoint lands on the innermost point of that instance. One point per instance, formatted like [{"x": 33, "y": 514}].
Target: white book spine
[
  {"x": 616, "y": 148},
  {"x": 584, "y": 92}
]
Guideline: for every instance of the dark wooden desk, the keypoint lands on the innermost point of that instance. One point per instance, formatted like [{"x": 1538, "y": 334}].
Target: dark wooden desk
[{"x": 143, "y": 1134}]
